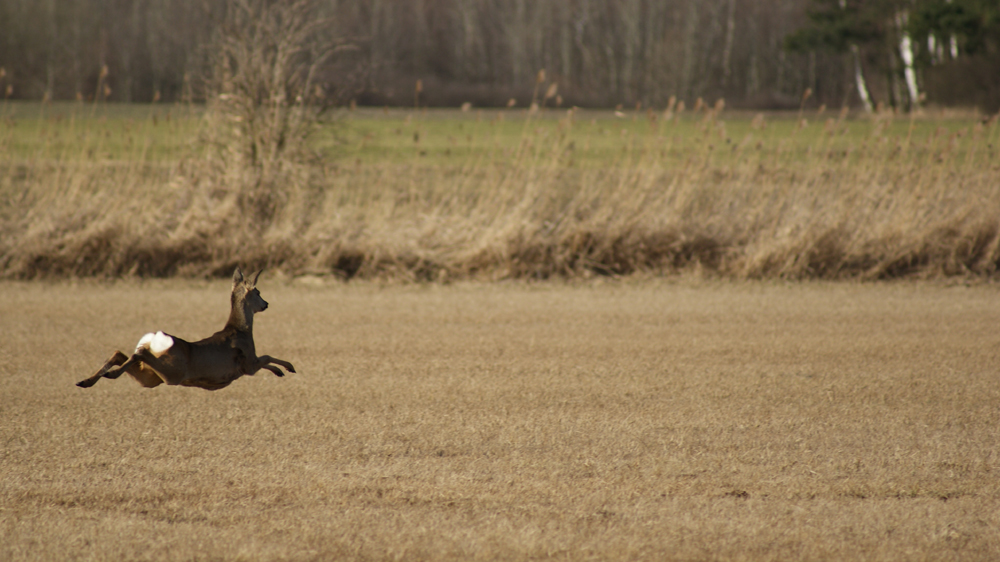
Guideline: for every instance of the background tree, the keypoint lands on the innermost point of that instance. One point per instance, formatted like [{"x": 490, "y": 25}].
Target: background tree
[
  {"x": 271, "y": 66},
  {"x": 600, "y": 52},
  {"x": 852, "y": 28}
]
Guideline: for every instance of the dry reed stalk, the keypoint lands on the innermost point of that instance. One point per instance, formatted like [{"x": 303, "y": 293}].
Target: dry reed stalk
[{"x": 771, "y": 208}]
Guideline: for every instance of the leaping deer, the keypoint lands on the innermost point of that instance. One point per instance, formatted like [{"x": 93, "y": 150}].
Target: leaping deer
[{"x": 211, "y": 363}]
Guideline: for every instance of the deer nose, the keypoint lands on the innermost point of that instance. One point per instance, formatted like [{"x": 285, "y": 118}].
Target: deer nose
[{"x": 265, "y": 304}]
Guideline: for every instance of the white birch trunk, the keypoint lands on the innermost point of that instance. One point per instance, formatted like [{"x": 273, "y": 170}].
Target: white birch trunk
[
  {"x": 906, "y": 52},
  {"x": 859, "y": 80}
]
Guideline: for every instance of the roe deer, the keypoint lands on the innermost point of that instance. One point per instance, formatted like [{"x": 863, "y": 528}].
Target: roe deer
[{"x": 211, "y": 363}]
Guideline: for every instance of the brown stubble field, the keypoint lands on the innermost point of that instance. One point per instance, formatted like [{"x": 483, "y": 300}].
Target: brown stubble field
[{"x": 639, "y": 419}]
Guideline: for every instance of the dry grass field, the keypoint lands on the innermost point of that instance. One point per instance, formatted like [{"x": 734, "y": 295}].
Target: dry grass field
[
  {"x": 639, "y": 419},
  {"x": 104, "y": 191}
]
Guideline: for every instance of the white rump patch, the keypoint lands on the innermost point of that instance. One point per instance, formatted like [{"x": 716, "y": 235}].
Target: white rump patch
[
  {"x": 144, "y": 342},
  {"x": 157, "y": 343}
]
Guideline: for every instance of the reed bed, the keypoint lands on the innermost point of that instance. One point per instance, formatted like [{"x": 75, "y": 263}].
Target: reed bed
[{"x": 538, "y": 193}]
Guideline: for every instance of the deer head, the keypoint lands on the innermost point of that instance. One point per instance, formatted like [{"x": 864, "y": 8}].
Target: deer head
[{"x": 246, "y": 301}]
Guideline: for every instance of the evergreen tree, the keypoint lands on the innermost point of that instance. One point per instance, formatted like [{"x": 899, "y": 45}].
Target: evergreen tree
[{"x": 974, "y": 25}]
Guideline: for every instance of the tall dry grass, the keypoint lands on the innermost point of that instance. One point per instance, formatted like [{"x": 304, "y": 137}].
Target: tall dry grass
[{"x": 893, "y": 198}]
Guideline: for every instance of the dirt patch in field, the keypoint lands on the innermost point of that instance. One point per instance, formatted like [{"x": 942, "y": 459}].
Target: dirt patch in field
[{"x": 634, "y": 420}]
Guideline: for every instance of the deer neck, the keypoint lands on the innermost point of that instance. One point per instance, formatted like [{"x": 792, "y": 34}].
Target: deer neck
[{"x": 240, "y": 318}]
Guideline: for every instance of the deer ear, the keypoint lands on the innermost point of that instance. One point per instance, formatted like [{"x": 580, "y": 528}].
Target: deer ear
[
  {"x": 237, "y": 276},
  {"x": 256, "y": 277}
]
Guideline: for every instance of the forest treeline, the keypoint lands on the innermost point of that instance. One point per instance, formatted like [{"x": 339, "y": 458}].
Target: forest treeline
[{"x": 753, "y": 53}]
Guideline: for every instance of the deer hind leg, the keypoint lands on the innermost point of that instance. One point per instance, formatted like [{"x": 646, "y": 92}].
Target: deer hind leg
[
  {"x": 117, "y": 359},
  {"x": 116, "y": 372},
  {"x": 134, "y": 366},
  {"x": 138, "y": 370},
  {"x": 146, "y": 376}
]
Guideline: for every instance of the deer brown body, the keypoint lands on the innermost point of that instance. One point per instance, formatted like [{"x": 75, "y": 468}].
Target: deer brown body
[{"x": 211, "y": 363}]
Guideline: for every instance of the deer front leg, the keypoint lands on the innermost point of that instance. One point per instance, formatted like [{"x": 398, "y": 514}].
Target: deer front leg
[
  {"x": 117, "y": 359},
  {"x": 264, "y": 362},
  {"x": 277, "y": 372}
]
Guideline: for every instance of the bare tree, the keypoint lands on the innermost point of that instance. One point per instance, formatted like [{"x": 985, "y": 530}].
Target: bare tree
[{"x": 265, "y": 94}]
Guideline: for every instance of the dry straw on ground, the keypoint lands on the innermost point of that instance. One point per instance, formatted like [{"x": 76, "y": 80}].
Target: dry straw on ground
[{"x": 649, "y": 421}]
